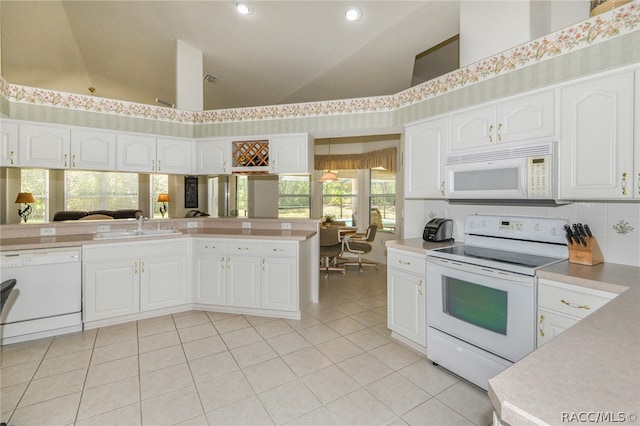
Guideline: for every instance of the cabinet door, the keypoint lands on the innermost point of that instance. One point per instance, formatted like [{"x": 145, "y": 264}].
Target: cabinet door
[
  {"x": 596, "y": 148},
  {"x": 424, "y": 146},
  {"x": 243, "y": 281},
  {"x": 163, "y": 282},
  {"x": 473, "y": 129},
  {"x": 43, "y": 146},
  {"x": 136, "y": 153},
  {"x": 550, "y": 324},
  {"x": 279, "y": 284},
  {"x": 175, "y": 156},
  {"x": 290, "y": 154},
  {"x": 406, "y": 305},
  {"x": 209, "y": 272},
  {"x": 91, "y": 150},
  {"x": 8, "y": 144},
  {"x": 111, "y": 289},
  {"x": 213, "y": 156},
  {"x": 526, "y": 118}
]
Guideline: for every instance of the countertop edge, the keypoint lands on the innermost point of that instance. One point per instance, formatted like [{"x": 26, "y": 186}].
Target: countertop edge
[{"x": 30, "y": 243}]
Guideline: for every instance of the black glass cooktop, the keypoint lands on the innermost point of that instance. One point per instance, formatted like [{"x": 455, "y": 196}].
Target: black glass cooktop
[{"x": 509, "y": 257}]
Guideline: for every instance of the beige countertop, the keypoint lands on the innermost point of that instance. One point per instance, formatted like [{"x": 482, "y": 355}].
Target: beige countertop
[
  {"x": 590, "y": 370},
  {"x": 417, "y": 245},
  {"x": 31, "y": 242}
]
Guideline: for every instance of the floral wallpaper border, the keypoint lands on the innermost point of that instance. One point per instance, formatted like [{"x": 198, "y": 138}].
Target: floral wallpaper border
[{"x": 615, "y": 23}]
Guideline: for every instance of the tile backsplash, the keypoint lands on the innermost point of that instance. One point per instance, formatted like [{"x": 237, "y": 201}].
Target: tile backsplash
[{"x": 616, "y": 225}]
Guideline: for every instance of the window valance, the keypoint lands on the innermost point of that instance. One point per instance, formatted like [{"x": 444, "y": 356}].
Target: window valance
[{"x": 385, "y": 158}]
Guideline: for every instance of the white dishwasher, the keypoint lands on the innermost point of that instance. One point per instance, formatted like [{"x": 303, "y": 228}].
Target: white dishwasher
[{"x": 47, "y": 298}]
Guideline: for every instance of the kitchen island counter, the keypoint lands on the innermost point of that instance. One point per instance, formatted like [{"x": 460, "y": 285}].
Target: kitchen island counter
[{"x": 587, "y": 373}]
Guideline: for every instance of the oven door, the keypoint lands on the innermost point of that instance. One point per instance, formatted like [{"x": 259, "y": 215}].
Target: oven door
[{"x": 490, "y": 309}]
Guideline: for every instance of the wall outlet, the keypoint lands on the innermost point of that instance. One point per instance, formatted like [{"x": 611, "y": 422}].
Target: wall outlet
[
  {"x": 192, "y": 225},
  {"x": 286, "y": 225},
  {"x": 104, "y": 228},
  {"x": 246, "y": 225},
  {"x": 47, "y": 231}
]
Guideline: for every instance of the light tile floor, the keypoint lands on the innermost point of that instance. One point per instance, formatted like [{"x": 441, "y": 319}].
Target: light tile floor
[{"x": 337, "y": 366}]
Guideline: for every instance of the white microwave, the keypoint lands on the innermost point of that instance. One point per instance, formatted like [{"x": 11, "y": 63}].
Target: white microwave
[{"x": 525, "y": 172}]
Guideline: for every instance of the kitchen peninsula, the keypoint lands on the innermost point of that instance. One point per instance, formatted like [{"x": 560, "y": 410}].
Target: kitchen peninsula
[{"x": 262, "y": 267}]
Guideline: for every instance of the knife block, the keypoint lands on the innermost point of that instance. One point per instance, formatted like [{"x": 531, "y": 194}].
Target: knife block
[{"x": 586, "y": 255}]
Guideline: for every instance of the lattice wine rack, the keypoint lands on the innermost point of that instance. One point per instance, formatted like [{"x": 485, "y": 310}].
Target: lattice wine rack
[{"x": 250, "y": 153}]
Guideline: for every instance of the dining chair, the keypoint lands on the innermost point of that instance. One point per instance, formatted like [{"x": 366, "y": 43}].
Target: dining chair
[
  {"x": 330, "y": 248},
  {"x": 360, "y": 245}
]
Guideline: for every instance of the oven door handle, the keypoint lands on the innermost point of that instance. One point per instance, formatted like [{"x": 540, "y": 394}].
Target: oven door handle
[{"x": 476, "y": 269}]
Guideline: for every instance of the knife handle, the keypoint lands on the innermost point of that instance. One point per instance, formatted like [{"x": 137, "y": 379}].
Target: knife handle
[{"x": 588, "y": 231}]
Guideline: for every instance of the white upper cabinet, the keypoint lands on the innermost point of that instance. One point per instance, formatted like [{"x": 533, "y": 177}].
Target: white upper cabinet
[
  {"x": 136, "y": 153},
  {"x": 44, "y": 146},
  {"x": 527, "y": 118},
  {"x": 213, "y": 156},
  {"x": 596, "y": 148},
  {"x": 8, "y": 144},
  {"x": 531, "y": 117},
  {"x": 424, "y": 146},
  {"x": 174, "y": 156},
  {"x": 92, "y": 150},
  {"x": 290, "y": 154}
]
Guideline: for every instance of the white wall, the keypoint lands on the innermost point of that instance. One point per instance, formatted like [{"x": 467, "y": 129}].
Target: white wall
[
  {"x": 491, "y": 27},
  {"x": 601, "y": 218}
]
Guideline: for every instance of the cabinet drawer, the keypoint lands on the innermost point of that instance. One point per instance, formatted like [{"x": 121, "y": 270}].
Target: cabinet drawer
[
  {"x": 208, "y": 245},
  {"x": 405, "y": 261},
  {"x": 279, "y": 249},
  {"x": 243, "y": 247},
  {"x": 571, "y": 300}
]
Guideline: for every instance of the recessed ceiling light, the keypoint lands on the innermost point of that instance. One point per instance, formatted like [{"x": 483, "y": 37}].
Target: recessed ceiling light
[
  {"x": 353, "y": 13},
  {"x": 243, "y": 8}
]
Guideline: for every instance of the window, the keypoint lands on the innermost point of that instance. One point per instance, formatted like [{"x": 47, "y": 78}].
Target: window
[
  {"x": 242, "y": 196},
  {"x": 100, "y": 190},
  {"x": 36, "y": 181},
  {"x": 339, "y": 199},
  {"x": 293, "y": 196},
  {"x": 383, "y": 200},
  {"x": 159, "y": 185}
]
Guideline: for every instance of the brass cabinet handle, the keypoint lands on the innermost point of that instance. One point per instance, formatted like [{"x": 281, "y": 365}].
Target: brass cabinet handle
[
  {"x": 135, "y": 267},
  {"x": 574, "y": 305},
  {"x": 224, "y": 167},
  {"x": 65, "y": 159},
  {"x": 624, "y": 184},
  {"x": 442, "y": 188},
  {"x": 273, "y": 166},
  {"x": 491, "y": 133},
  {"x": 142, "y": 266},
  {"x": 159, "y": 165},
  {"x": 11, "y": 156},
  {"x": 500, "y": 132},
  {"x": 403, "y": 262},
  {"x": 243, "y": 248},
  {"x": 278, "y": 250},
  {"x": 73, "y": 160},
  {"x": 263, "y": 266},
  {"x": 222, "y": 265},
  {"x": 420, "y": 292},
  {"x": 153, "y": 165},
  {"x": 541, "y": 326}
]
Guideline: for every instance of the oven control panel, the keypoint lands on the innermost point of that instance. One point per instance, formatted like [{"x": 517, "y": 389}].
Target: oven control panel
[{"x": 543, "y": 229}]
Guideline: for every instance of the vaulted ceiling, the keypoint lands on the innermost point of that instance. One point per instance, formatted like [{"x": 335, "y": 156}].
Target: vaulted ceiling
[{"x": 284, "y": 52}]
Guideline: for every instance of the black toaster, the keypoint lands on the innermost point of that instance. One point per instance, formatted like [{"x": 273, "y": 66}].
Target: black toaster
[{"x": 437, "y": 230}]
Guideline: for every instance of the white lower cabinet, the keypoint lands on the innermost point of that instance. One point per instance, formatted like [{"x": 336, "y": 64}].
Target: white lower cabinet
[
  {"x": 246, "y": 273},
  {"x": 562, "y": 305},
  {"x": 129, "y": 278},
  {"x": 406, "y": 301},
  {"x": 209, "y": 260}
]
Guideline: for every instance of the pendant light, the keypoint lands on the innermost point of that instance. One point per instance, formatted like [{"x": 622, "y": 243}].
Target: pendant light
[{"x": 329, "y": 176}]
